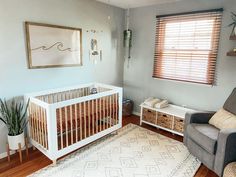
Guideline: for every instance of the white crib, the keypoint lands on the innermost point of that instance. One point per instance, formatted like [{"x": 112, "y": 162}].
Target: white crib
[{"x": 63, "y": 120}]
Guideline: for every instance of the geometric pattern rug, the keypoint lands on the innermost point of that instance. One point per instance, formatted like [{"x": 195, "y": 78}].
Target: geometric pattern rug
[{"x": 133, "y": 152}]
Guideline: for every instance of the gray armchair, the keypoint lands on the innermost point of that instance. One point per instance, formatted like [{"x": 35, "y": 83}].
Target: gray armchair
[{"x": 213, "y": 147}]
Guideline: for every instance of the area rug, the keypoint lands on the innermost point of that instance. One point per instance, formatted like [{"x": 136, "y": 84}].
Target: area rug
[{"x": 133, "y": 152}]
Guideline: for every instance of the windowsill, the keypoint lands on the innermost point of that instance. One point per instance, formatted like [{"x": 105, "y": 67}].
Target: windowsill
[{"x": 184, "y": 82}]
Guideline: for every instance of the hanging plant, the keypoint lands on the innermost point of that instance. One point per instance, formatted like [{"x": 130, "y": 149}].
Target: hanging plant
[{"x": 233, "y": 16}]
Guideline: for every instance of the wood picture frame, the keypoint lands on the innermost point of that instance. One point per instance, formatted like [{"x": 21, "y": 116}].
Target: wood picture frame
[{"x": 50, "y": 46}]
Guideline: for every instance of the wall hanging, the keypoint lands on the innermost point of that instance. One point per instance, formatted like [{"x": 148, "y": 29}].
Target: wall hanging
[
  {"x": 53, "y": 46},
  {"x": 95, "y": 54},
  {"x": 127, "y": 38},
  {"x": 233, "y": 16},
  {"x": 232, "y": 52}
]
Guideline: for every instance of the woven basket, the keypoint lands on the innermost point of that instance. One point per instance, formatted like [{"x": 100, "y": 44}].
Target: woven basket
[
  {"x": 178, "y": 124},
  {"x": 149, "y": 115},
  {"x": 164, "y": 120}
]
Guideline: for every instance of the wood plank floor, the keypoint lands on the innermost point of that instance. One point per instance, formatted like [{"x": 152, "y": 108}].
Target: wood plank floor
[{"x": 37, "y": 160}]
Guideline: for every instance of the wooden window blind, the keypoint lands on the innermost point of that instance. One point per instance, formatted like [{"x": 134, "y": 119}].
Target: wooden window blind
[{"x": 187, "y": 45}]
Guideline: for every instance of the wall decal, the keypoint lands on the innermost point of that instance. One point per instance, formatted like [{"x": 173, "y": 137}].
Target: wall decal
[{"x": 53, "y": 46}]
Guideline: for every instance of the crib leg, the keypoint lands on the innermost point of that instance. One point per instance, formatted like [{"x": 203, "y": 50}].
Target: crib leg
[
  {"x": 54, "y": 162},
  {"x": 115, "y": 132}
]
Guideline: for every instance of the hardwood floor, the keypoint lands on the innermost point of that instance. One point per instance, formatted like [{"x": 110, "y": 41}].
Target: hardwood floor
[{"x": 37, "y": 160}]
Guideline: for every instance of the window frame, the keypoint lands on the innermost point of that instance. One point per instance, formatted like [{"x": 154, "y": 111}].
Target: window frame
[{"x": 212, "y": 56}]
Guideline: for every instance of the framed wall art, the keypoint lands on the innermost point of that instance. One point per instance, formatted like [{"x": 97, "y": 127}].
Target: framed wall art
[{"x": 53, "y": 46}]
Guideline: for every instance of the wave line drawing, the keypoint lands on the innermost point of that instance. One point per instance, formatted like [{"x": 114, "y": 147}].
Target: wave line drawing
[{"x": 58, "y": 45}]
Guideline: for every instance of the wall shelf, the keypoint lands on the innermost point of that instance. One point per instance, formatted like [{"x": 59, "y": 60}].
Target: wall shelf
[
  {"x": 232, "y": 37},
  {"x": 231, "y": 54}
]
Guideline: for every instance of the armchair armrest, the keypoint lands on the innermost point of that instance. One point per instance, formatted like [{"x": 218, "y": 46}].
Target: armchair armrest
[
  {"x": 195, "y": 117},
  {"x": 198, "y": 117},
  {"x": 226, "y": 150}
]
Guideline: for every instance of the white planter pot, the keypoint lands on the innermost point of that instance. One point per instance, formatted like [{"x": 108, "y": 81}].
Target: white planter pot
[{"x": 13, "y": 141}]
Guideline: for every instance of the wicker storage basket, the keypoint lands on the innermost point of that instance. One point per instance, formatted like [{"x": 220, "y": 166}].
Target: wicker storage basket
[
  {"x": 178, "y": 124},
  {"x": 164, "y": 120},
  {"x": 149, "y": 115},
  {"x": 127, "y": 107}
]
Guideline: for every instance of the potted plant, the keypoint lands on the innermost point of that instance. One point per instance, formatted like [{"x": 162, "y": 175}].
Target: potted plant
[
  {"x": 233, "y": 16},
  {"x": 13, "y": 114}
]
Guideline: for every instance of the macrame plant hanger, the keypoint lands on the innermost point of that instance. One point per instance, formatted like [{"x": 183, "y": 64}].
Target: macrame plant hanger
[{"x": 127, "y": 39}]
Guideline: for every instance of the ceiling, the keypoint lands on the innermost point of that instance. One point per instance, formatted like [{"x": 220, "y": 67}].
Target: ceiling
[{"x": 135, "y": 3}]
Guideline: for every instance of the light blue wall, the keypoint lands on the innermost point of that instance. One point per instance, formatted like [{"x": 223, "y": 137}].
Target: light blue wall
[
  {"x": 16, "y": 79},
  {"x": 138, "y": 81}
]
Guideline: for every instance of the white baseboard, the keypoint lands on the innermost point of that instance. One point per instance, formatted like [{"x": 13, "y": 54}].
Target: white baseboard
[
  {"x": 136, "y": 113},
  {"x": 4, "y": 154}
]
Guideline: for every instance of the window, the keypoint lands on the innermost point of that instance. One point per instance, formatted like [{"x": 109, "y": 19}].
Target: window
[{"x": 186, "y": 46}]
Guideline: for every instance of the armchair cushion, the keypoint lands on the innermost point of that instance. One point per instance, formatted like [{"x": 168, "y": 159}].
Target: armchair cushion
[
  {"x": 204, "y": 135},
  {"x": 223, "y": 120}
]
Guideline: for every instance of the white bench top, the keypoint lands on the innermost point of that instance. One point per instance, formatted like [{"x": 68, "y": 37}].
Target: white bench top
[{"x": 173, "y": 110}]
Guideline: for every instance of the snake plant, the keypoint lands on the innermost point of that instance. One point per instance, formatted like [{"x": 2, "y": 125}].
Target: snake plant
[
  {"x": 13, "y": 114},
  {"x": 233, "y": 16}
]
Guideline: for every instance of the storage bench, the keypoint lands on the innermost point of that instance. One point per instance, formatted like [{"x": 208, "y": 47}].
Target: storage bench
[{"x": 170, "y": 118}]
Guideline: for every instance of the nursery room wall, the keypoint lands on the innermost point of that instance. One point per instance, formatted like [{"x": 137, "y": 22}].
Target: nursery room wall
[
  {"x": 138, "y": 81},
  {"x": 16, "y": 79}
]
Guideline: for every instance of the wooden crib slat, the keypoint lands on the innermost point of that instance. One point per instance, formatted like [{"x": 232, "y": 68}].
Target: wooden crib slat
[
  {"x": 116, "y": 109},
  {"x": 34, "y": 122},
  {"x": 45, "y": 129},
  {"x": 107, "y": 114},
  {"x": 104, "y": 111},
  {"x": 100, "y": 114},
  {"x": 80, "y": 120},
  {"x": 113, "y": 109},
  {"x": 96, "y": 114},
  {"x": 30, "y": 120},
  {"x": 110, "y": 109},
  {"x": 105, "y": 118},
  {"x": 66, "y": 122},
  {"x": 48, "y": 98},
  {"x": 93, "y": 112},
  {"x": 85, "y": 129},
  {"x": 89, "y": 118},
  {"x": 41, "y": 126},
  {"x": 64, "y": 96},
  {"x": 61, "y": 131},
  {"x": 61, "y": 97},
  {"x": 37, "y": 124},
  {"x": 71, "y": 126},
  {"x": 76, "y": 122}
]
